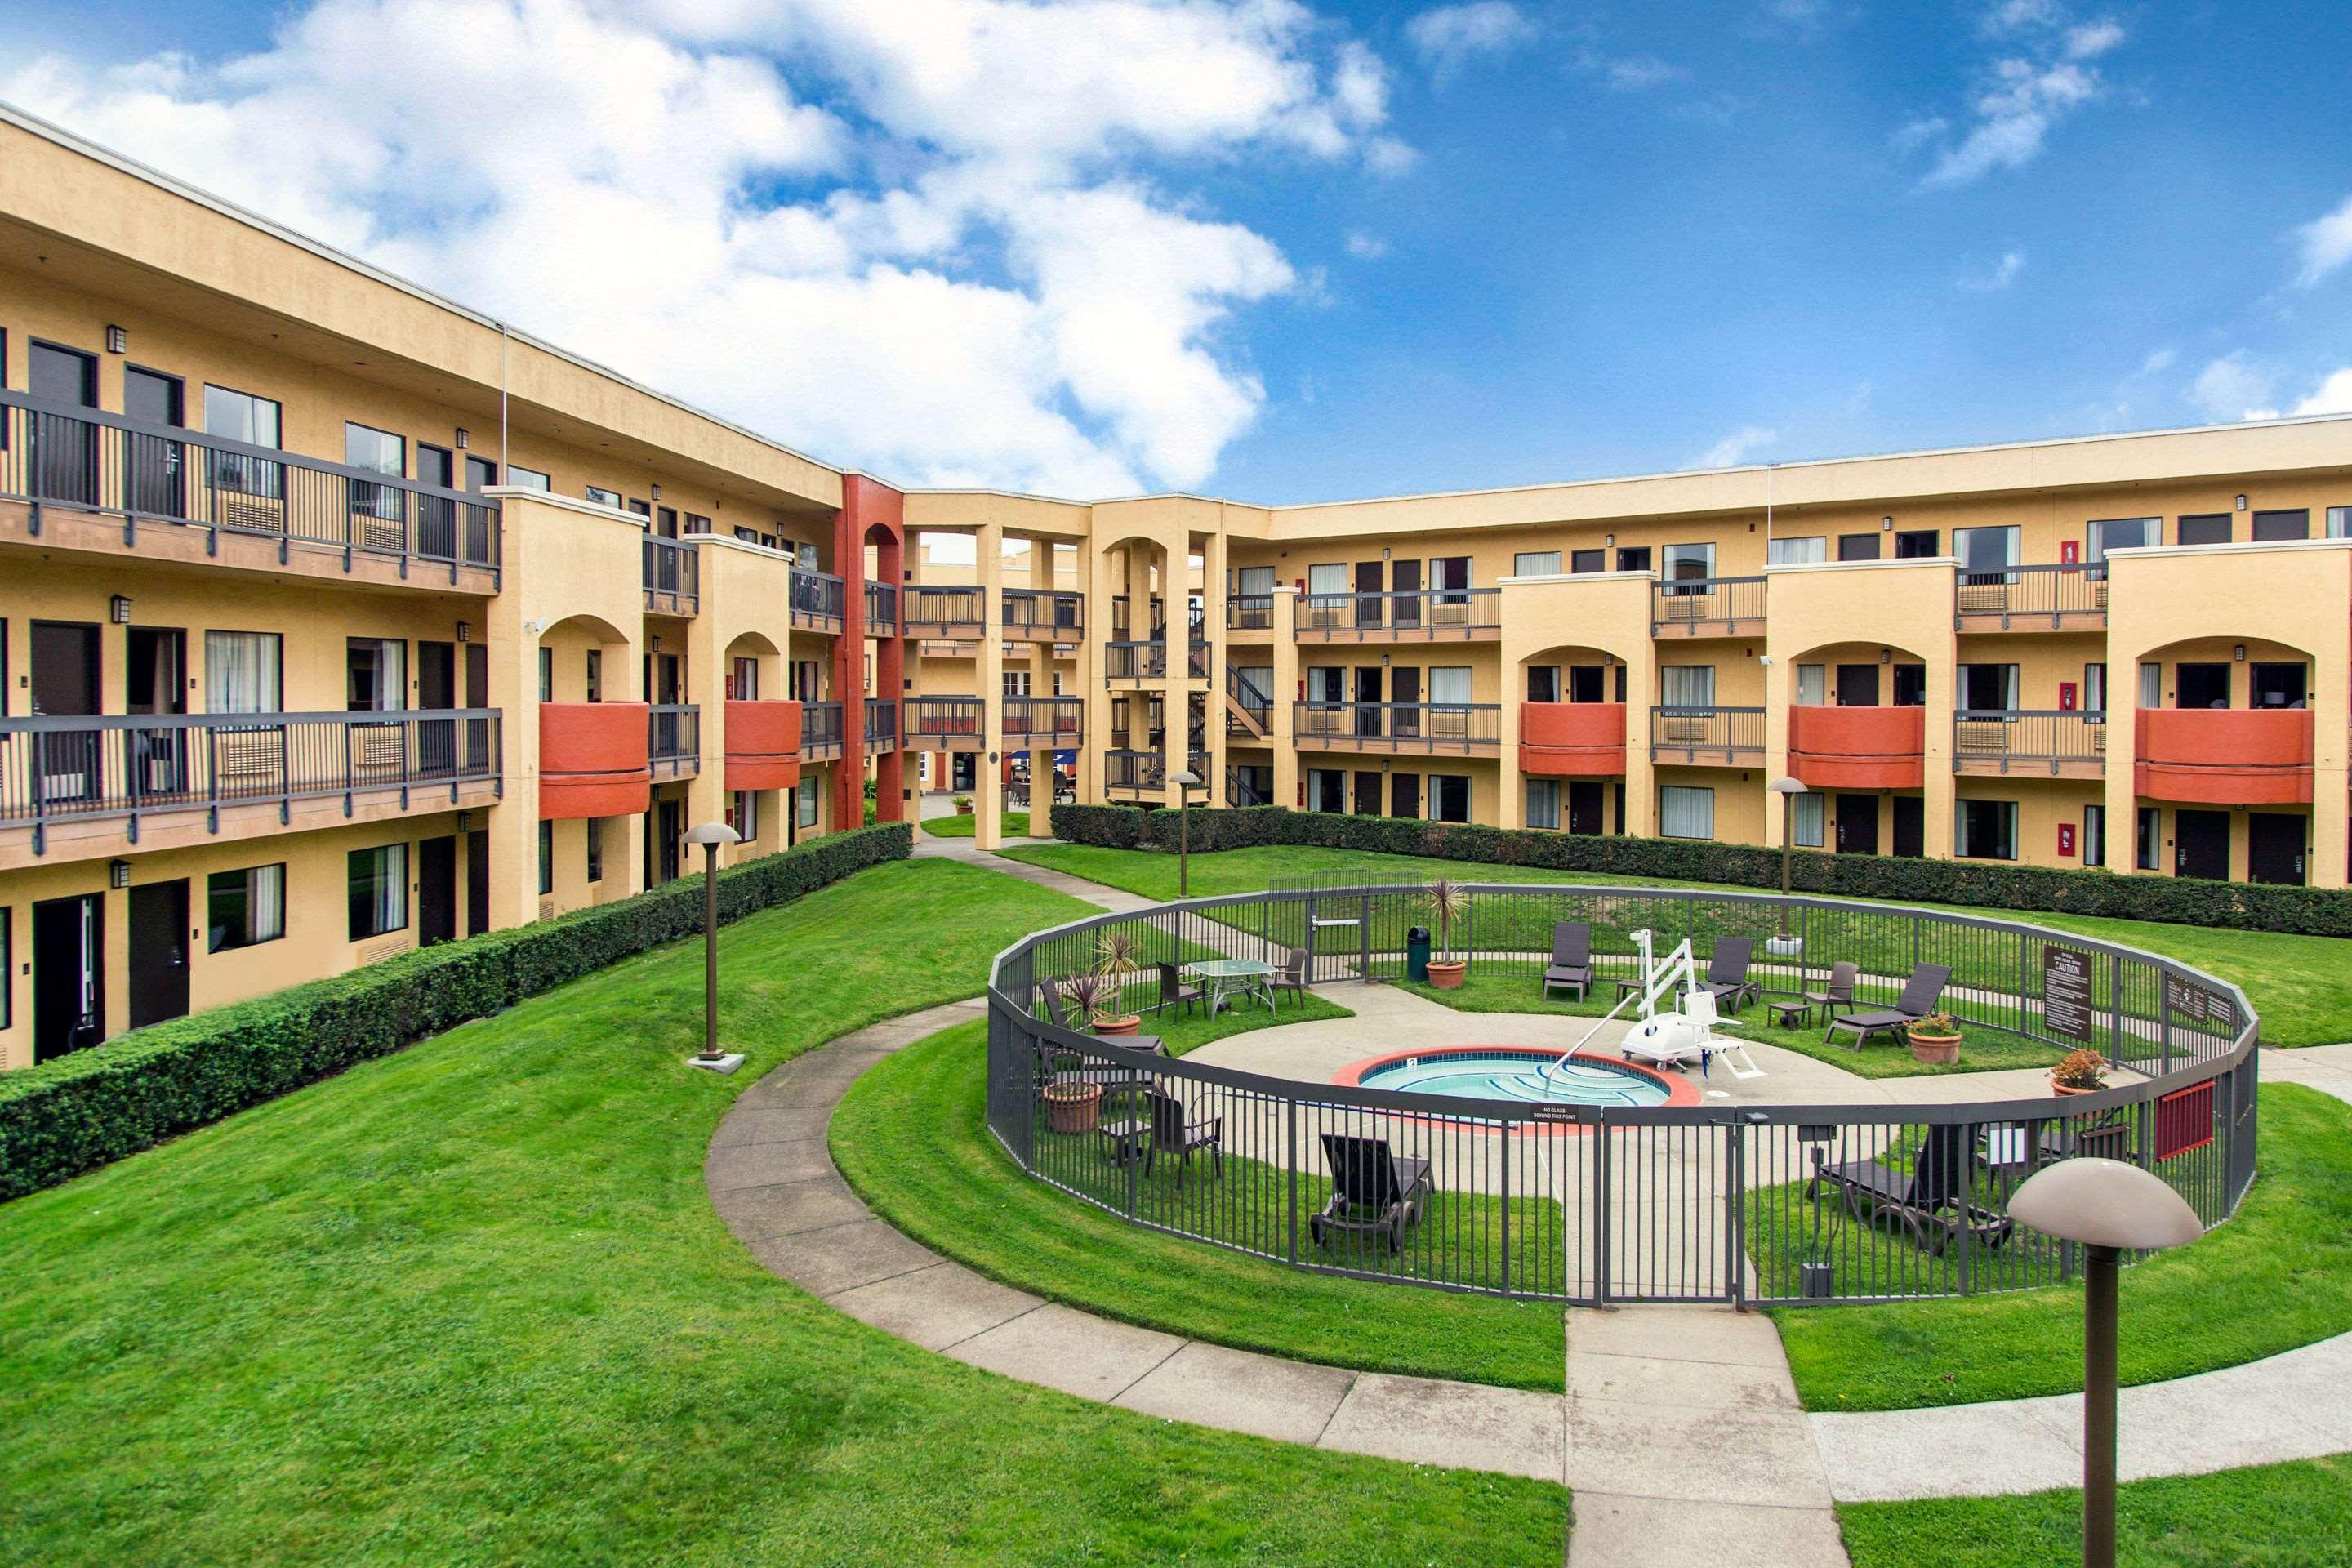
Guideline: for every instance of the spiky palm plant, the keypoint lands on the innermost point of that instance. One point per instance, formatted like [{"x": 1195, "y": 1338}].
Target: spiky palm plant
[{"x": 1448, "y": 900}]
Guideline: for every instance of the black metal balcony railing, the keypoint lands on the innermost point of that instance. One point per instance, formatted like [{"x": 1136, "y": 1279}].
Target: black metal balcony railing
[
  {"x": 144, "y": 473},
  {"x": 2035, "y": 594},
  {"x": 1429, "y": 613},
  {"x": 957, "y": 613},
  {"x": 1060, "y": 720},
  {"x": 1249, "y": 612},
  {"x": 943, "y": 718},
  {"x": 881, "y": 724},
  {"x": 1135, "y": 660},
  {"x": 53, "y": 768},
  {"x": 674, "y": 738},
  {"x": 673, "y": 575},
  {"x": 1119, "y": 620},
  {"x": 1400, "y": 726},
  {"x": 820, "y": 731},
  {"x": 881, "y": 610},
  {"x": 1251, "y": 699},
  {"x": 1036, "y": 610},
  {"x": 2018, "y": 739},
  {"x": 1196, "y": 659},
  {"x": 1134, "y": 772},
  {"x": 1690, "y": 604},
  {"x": 1704, "y": 734},
  {"x": 818, "y": 600}
]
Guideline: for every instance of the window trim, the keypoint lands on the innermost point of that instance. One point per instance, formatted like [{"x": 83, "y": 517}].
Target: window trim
[{"x": 212, "y": 941}]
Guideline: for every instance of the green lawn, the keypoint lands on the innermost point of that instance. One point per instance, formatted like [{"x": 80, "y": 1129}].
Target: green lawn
[
  {"x": 912, "y": 1137},
  {"x": 2277, "y": 1276},
  {"x": 2265, "y": 1516},
  {"x": 469, "y": 1304},
  {"x": 962, "y": 824},
  {"x": 2296, "y": 982}
]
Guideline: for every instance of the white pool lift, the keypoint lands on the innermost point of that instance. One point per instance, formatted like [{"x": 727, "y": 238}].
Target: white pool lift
[{"x": 1677, "y": 1038}]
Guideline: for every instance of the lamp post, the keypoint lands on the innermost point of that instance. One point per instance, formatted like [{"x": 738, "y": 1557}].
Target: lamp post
[
  {"x": 1185, "y": 780},
  {"x": 1788, "y": 789},
  {"x": 710, "y": 835},
  {"x": 2106, "y": 1207}
]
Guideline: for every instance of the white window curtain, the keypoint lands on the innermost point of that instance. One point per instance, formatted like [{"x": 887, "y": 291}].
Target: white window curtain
[
  {"x": 2095, "y": 688},
  {"x": 1449, "y": 683},
  {"x": 1812, "y": 684},
  {"x": 1255, "y": 580},
  {"x": 1326, "y": 579},
  {"x": 1801, "y": 551},
  {"x": 1252, "y": 683},
  {"x": 379, "y": 674},
  {"x": 1806, "y": 820},
  {"x": 1536, "y": 563},
  {"x": 380, "y": 897},
  {"x": 1543, "y": 803},
  {"x": 1688, "y": 685},
  {"x": 266, "y": 914},
  {"x": 2339, "y": 523},
  {"x": 2151, "y": 684},
  {"x": 2094, "y": 836},
  {"x": 1686, "y": 813},
  {"x": 241, "y": 672}
]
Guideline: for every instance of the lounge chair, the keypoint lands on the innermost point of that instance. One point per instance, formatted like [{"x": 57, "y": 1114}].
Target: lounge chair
[
  {"x": 1174, "y": 993},
  {"x": 1930, "y": 1200},
  {"x": 1295, "y": 973},
  {"x": 1726, "y": 974},
  {"x": 1838, "y": 992},
  {"x": 1920, "y": 995},
  {"x": 1373, "y": 1193},
  {"x": 1571, "y": 958},
  {"x": 1175, "y": 1133}
]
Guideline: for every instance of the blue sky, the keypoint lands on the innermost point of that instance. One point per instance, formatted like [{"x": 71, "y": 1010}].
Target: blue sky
[{"x": 1288, "y": 252}]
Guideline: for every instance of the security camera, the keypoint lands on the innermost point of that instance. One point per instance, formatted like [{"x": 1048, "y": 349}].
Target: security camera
[{"x": 1765, "y": 659}]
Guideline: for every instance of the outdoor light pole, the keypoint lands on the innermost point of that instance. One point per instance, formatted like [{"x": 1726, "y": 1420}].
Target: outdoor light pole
[
  {"x": 1185, "y": 779},
  {"x": 710, "y": 835},
  {"x": 2108, "y": 1207},
  {"x": 1788, "y": 789}
]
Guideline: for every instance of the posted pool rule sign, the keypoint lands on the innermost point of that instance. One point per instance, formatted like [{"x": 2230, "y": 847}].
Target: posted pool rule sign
[{"x": 2066, "y": 993}]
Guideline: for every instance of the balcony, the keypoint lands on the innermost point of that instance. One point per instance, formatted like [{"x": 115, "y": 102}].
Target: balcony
[
  {"x": 1127, "y": 775},
  {"x": 1708, "y": 737},
  {"x": 168, "y": 493},
  {"x": 818, "y": 601},
  {"x": 1425, "y": 729},
  {"x": 1033, "y": 615},
  {"x": 881, "y": 610},
  {"x": 2031, "y": 599},
  {"x": 2224, "y": 756},
  {"x": 1196, "y": 659},
  {"x": 1572, "y": 739},
  {"x": 215, "y": 774},
  {"x": 1135, "y": 661},
  {"x": 764, "y": 745},
  {"x": 594, "y": 760},
  {"x": 1707, "y": 607},
  {"x": 1119, "y": 618},
  {"x": 1249, "y": 613},
  {"x": 959, "y": 614},
  {"x": 881, "y": 725},
  {"x": 674, "y": 740},
  {"x": 2030, "y": 743},
  {"x": 1043, "y": 722},
  {"x": 1434, "y": 615},
  {"x": 820, "y": 731},
  {"x": 673, "y": 576},
  {"x": 1858, "y": 748},
  {"x": 944, "y": 724}
]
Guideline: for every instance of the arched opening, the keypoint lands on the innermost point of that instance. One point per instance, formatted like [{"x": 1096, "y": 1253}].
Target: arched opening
[
  {"x": 2223, "y": 739},
  {"x": 1857, "y": 741},
  {"x": 1572, "y": 739}
]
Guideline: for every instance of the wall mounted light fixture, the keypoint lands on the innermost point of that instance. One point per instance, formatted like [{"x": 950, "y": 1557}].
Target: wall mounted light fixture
[
  {"x": 2241, "y": 503},
  {"x": 117, "y": 873},
  {"x": 2239, "y": 653},
  {"x": 117, "y": 609},
  {"x": 117, "y": 340},
  {"x": 1885, "y": 523},
  {"x": 464, "y": 439},
  {"x": 464, "y": 631}
]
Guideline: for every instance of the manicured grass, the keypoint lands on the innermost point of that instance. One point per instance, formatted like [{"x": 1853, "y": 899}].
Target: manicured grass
[
  {"x": 469, "y": 1304},
  {"x": 2296, "y": 982},
  {"x": 962, "y": 825},
  {"x": 912, "y": 1137},
  {"x": 2265, "y": 1516},
  {"x": 2277, "y": 1276},
  {"x": 1185, "y": 1033}
]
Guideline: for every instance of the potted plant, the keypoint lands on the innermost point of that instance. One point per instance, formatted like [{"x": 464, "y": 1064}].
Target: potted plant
[
  {"x": 2079, "y": 1072},
  {"x": 1449, "y": 901},
  {"x": 1935, "y": 1040},
  {"x": 1072, "y": 1107},
  {"x": 1117, "y": 955},
  {"x": 963, "y": 806}
]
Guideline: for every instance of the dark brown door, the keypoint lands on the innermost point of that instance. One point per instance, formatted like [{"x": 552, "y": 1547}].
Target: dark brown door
[
  {"x": 64, "y": 458},
  {"x": 477, "y": 883},
  {"x": 1857, "y": 686},
  {"x": 477, "y": 695},
  {"x": 1404, "y": 794},
  {"x": 2201, "y": 844},
  {"x": 155, "y": 680},
  {"x": 2274, "y": 848},
  {"x": 153, "y": 466},
  {"x": 65, "y": 684},
  {"x": 1584, "y": 807},
  {"x": 437, "y": 891},
  {"x": 1405, "y": 699},
  {"x": 1367, "y": 595},
  {"x": 1369, "y": 712},
  {"x": 669, "y": 814},
  {"x": 1368, "y": 794},
  {"x": 437, "y": 688},
  {"x": 159, "y": 951},
  {"x": 68, "y": 974},
  {"x": 1857, "y": 824},
  {"x": 1910, "y": 826},
  {"x": 1404, "y": 576}
]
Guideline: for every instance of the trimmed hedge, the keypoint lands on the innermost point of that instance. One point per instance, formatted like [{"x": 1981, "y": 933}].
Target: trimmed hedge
[
  {"x": 2179, "y": 900},
  {"x": 80, "y": 1112}
]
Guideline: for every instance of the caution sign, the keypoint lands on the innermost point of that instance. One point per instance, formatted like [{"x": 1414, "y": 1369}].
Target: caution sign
[{"x": 2066, "y": 993}]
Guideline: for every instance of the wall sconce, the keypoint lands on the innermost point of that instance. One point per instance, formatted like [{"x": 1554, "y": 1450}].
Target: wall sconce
[
  {"x": 1384, "y": 552},
  {"x": 1886, "y": 656},
  {"x": 656, "y": 642},
  {"x": 1384, "y": 661},
  {"x": 658, "y": 492},
  {"x": 463, "y": 440},
  {"x": 464, "y": 822},
  {"x": 118, "y": 341},
  {"x": 2241, "y": 503},
  {"x": 1609, "y": 540},
  {"x": 1885, "y": 523},
  {"x": 117, "y": 609},
  {"x": 2239, "y": 653},
  {"x": 117, "y": 873},
  {"x": 464, "y": 631}
]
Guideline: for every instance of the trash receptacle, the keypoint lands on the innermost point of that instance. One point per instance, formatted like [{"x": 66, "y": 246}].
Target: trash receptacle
[{"x": 1416, "y": 954}]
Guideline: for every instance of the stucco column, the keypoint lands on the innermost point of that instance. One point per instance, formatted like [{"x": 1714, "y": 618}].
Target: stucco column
[
  {"x": 988, "y": 769},
  {"x": 1640, "y": 819},
  {"x": 1040, "y": 688},
  {"x": 1779, "y": 690},
  {"x": 1104, "y": 582},
  {"x": 1282, "y": 712},
  {"x": 1213, "y": 623}
]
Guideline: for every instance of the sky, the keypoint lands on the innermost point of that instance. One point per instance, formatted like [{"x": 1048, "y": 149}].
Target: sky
[{"x": 1288, "y": 251}]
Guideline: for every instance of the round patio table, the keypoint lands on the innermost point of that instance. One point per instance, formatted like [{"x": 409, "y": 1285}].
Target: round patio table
[{"x": 1229, "y": 976}]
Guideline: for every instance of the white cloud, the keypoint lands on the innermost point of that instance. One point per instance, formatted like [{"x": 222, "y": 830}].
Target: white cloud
[
  {"x": 1451, "y": 36},
  {"x": 1638, "y": 72},
  {"x": 2334, "y": 395},
  {"x": 1734, "y": 448},
  {"x": 2093, "y": 39},
  {"x": 2235, "y": 387},
  {"x": 2159, "y": 361},
  {"x": 1366, "y": 247},
  {"x": 2025, "y": 95},
  {"x": 956, "y": 264},
  {"x": 1999, "y": 275},
  {"x": 2004, "y": 17},
  {"x": 2325, "y": 243}
]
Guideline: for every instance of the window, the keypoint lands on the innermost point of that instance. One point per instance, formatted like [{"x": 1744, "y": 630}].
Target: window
[
  {"x": 1812, "y": 684},
  {"x": 805, "y": 802},
  {"x": 743, "y": 681},
  {"x": 1543, "y": 803},
  {"x": 1587, "y": 683},
  {"x": 1688, "y": 685},
  {"x": 546, "y": 859},
  {"x": 1984, "y": 829},
  {"x": 1543, "y": 683},
  {"x": 1449, "y": 798},
  {"x": 1858, "y": 547},
  {"x": 2204, "y": 528},
  {"x": 2201, "y": 685},
  {"x": 2278, "y": 685},
  {"x": 743, "y": 813},
  {"x": 242, "y": 908},
  {"x": 1807, "y": 819},
  {"x": 547, "y": 675},
  {"x": 602, "y": 496},
  {"x": 1910, "y": 684},
  {"x": 376, "y": 675},
  {"x": 2278, "y": 525},
  {"x": 1254, "y": 582},
  {"x": 1016, "y": 683},
  {"x": 2095, "y": 689},
  {"x": 256, "y": 421},
  {"x": 378, "y": 452},
  {"x": 1539, "y": 563},
  {"x": 1450, "y": 573},
  {"x": 696, "y": 523},
  {"x": 1984, "y": 552},
  {"x": 2103, "y": 535},
  {"x": 595, "y": 675},
  {"x": 1689, "y": 562},
  {"x": 2339, "y": 523},
  {"x": 1988, "y": 687},
  {"x": 642, "y": 508},
  {"x": 1326, "y": 789},
  {"x": 2148, "y": 839},
  {"x": 1449, "y": 683},
  {"x": 1634, "y": 558},
  {"x": 242, "y": 672},
  {"x": 1685, "y": 812},
  {"x": 377, "y": 881},
  {"x": 8, "y": 965},
  {"x": 2151, "y": 684},
  {"x": 527, "y": 478},
  {"x": 595, "y": 849},
  {"x": 1583, "y": 560},
  {"x": 1914, "y": 544},
  {"x": 2094, "y": 836},
  {"x": 1326, "y": 683},
  {"x": 1803, "y": 552}
]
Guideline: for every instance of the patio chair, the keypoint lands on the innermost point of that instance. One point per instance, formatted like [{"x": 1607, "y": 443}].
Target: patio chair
[
  {"x": 1726, "y": 974},
  {"x": 1920, "y": 995},
  {"x": 1838, "y": 992},
  {"x": 1373, "y": 1193},
  {"x": 1295, "y": 975},
  {"x": 1057, "y": 1064},
  {"x": 1176, "y": 1134},
  {"x": 1571, "y": 958},
  {"x": 1930, "y": 1200},
  {"x": 1174, "y": 993}
]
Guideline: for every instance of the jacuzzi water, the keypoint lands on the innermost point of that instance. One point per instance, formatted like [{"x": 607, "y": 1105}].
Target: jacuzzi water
[{"x": 1501, "y": 1074}]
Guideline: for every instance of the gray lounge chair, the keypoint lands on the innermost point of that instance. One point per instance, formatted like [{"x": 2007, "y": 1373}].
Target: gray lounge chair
[
  {"x": 1373, "y": 1193},
  {"x": 1930, "y": 1200},
  {"x": 1920, "y": 993},
  {"x": 1571, "y": 958},
  {"x": 1174, "y": 993},
  {"x": 1175, "y": 1133},
  {"x": 1838, "y": 992},
  {"x": 1726, "y": 974}
]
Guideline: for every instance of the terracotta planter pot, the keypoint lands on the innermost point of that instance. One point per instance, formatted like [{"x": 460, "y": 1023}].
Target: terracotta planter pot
[
  {"x": 1126, "y": 1025},
  {"x": 963, "y": 811},
  {"x": 1072, "y": 1107},
  {"x": 2064, "y": 1090},
  {"x": 1935, "y": 1050},
  {"x": 1445, "y": 974}
]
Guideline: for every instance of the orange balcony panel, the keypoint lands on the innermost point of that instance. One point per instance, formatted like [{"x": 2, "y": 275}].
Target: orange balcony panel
[
  {"x": 2224, "y": 756},
  {"x": 1858, "y": 748},
  {"x": 593, "y": 760},
  {"x": 764, "y": 745},
  {"x": 1572, "y": 739}
]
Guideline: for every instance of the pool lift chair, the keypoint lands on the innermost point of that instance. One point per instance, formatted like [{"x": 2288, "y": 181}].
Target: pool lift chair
[{"x": 1676, "y": 1037}]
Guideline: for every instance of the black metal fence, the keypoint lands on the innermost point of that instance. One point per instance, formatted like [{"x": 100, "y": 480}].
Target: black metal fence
[
  {"x": 2045, "y": 594},
  {"x": 1714, "y": 1201},
  {"x": 881, "y": 610},
  {"x": 1135, "y": 660},
  {"x": 959, "y": 614},
  {"x": 1436, "y": 614},
  {"x": 881, "y": 723},
  {"x": 164, "y": 475},
  {"x": 672, "y": 573},
  {"x": 1704, "y": 734},
  {"x": 1034, "y": 610},
  {"x": 817, "y": 600},
  {"x": 820, "y": 731},
  {"x": 1249, "y": 612},
  {"x": 2028, "y": 740},
  {"x": 1057, "y": 722},
  {"x": 1715, "y": 605},
  {"x": 943, "y": 718},
  {"x": 674, "y": 738},
  {"x": 1419, "y": 727}
]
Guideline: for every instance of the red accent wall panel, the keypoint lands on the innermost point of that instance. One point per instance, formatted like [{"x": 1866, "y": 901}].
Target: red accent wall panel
[
  {"x": 2224, "y": 756},
  {"x": 764, "y": 745},
  {"x": 1572, "y": 739},
  {"x": 2184, "y": 1120},
  {"x": 594, "y": 760},
  {"x": 1858, "y": 748}
]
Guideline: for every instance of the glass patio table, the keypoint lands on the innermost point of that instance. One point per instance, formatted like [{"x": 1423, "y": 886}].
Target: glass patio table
[{"x": 1228, "y": 977}]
